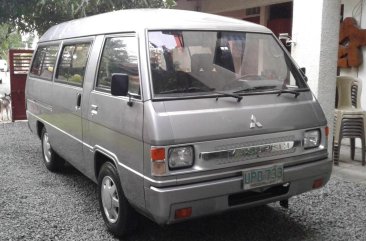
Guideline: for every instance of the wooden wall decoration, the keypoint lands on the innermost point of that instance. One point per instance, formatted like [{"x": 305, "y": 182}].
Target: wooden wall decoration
[{"x": 351, "y": 39}]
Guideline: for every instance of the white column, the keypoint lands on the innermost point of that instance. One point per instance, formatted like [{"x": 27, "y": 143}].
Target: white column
[
  {"x": 316, "y": 33},
  {"x": 264, "y": 15}
]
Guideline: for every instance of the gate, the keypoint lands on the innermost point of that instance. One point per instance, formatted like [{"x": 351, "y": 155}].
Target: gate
[{"x": 19, "y": 62}]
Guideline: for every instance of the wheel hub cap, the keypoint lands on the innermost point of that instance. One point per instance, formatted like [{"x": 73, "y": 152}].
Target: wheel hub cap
[
  {"x": 46, "y": 148},
  {"x": 110, "y": 199}
]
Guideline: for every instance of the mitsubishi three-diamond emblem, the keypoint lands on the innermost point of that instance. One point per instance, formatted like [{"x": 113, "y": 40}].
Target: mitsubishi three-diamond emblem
[{"x": 254, "y": 123}]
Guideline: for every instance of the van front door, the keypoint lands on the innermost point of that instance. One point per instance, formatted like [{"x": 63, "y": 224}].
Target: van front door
[{"x": 113, "y": 125}]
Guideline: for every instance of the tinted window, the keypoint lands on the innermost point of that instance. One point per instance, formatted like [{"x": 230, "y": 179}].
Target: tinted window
[
  {"x": 71, "y": 69},
  {"x": 44, "y": 62},
  {"x": 119, "y": 56}
]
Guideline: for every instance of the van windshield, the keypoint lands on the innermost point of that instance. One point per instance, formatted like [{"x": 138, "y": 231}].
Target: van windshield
[{"x": 202, "y": 63}]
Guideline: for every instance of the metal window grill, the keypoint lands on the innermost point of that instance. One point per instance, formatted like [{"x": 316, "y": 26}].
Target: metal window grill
[{"x": 21, "y": 63}]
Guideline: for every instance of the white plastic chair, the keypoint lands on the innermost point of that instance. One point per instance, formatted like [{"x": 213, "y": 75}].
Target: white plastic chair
[{"x": 349, "y": 119}]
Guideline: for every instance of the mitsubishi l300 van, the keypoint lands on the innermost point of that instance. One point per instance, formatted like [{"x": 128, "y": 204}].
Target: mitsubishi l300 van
[{"x": 176, "y": 114}]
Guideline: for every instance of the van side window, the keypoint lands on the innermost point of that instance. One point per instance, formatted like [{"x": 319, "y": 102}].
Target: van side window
[
  {"x": 71, "y": 69},
  {"x": 44, "y": 62},
  {"x": 119, "y": 56}
]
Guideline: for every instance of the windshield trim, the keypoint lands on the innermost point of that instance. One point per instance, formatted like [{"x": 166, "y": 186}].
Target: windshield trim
[{"x": 292, "y": 65}]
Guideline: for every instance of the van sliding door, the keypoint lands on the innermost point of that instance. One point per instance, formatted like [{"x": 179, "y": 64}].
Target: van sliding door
[{"x": 67, "y": 98}]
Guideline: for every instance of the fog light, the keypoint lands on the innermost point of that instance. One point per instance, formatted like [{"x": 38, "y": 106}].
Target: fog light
[
  {"x": 318, "y": 183},
  {"x": 183, "y": 213}
]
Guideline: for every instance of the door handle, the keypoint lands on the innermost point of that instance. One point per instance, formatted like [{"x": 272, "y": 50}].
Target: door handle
[
  {"x": 94, "y": 109},
  {"x": 78, "y": 101}
]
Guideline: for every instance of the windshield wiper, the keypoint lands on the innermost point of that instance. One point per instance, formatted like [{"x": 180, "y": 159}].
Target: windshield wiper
[
  {"x": 255, "y": 88},
  {"x": 238, "y": 97},
  {"x": 294, "y": 92},
  {"x": 198, "y": 89},
  {"x": 186, "y": 90}
]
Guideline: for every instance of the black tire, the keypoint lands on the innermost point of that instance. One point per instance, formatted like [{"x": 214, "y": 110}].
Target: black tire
[
  {"x": 51, "y": 160},
  {"x": 119, "y": 217}
]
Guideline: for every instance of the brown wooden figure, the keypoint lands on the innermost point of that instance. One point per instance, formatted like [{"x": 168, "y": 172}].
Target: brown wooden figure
[{"x": 351, "y": 39}]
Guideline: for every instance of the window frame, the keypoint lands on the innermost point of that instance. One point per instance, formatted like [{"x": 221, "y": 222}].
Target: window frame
[
  {"x": 65, "y": 43},
  {"x": 293, "y": 65},
  {"x": 45, "y": 45},
  {"x": 108, "y": 91}
]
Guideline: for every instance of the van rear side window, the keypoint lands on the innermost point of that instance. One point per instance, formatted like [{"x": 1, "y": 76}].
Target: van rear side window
[
  {"x": 71, "y": 69},
  {"x": 119, "y": 57},
  {"x": 44, "y": 62}
]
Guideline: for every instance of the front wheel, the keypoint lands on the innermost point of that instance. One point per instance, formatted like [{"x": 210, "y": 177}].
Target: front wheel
[
  {"x": 117, "y": 213},
  {"x": 52, "y": 161}
]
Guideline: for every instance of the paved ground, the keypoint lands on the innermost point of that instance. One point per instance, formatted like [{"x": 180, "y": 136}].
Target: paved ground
[{"x": 38, "y": 205}]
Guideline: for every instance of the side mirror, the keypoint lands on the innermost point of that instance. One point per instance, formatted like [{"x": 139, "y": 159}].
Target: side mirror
[
  {"x": 119, "y": 85},
  {"x": 303, "y": 72},
  {"x": 303, "y": 69}
]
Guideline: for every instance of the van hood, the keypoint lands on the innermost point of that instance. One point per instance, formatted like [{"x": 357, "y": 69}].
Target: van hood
[{"x": 195, "y": 120}]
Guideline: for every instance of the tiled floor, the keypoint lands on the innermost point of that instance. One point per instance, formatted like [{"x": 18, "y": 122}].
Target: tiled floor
[{"x": 348, "y": 169}]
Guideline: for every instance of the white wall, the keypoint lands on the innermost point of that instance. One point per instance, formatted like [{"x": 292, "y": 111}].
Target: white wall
[
  {"x": 360, "y": 72},
  {"x": 316, "y": 33},
  {"x": 351, "y": 10}
]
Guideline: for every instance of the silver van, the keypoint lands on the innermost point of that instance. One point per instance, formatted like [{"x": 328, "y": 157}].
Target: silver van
[{"x": 176, "y": 114}]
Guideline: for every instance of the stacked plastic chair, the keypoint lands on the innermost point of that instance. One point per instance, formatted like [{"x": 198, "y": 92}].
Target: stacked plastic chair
[{"x": 349, "y": 119}]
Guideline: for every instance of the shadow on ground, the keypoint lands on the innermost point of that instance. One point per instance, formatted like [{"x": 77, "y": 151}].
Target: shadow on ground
[{"x": 260, "y": 223}]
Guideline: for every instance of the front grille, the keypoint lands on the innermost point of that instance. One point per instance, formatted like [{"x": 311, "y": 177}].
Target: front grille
[{"x": 252, "y": 196}]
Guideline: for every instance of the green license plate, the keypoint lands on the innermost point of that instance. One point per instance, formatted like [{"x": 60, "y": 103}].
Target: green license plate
[{"x": 262, "y": 176}]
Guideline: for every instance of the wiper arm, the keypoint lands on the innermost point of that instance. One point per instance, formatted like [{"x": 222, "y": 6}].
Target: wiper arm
[
  {"x": 238, "y": 97},
  {"x": 255, "y": 88},
  {"x": 197, "y": 89},
  {"x": 294, "y": 92}
]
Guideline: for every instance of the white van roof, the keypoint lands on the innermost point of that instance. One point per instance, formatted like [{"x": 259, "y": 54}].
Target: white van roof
[{"x": 134, "y": 20}]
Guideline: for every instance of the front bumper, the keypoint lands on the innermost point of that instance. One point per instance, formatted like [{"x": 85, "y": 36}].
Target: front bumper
[{"x": 216, "y": 196}]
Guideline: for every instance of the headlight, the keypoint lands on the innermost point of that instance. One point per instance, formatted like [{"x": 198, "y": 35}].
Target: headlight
[
  {"x": 181, "y": 157},
  {"x": 311, "y": 139}
]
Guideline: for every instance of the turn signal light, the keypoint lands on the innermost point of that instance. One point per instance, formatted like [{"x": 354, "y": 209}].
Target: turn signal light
[
  {"x": 183, "y": 213},
  {"x": 327, "y": 131},
  {"x": 318, "y": 183},
  {"x": 157, "y": 154},
  {"x": 158, "y": 166}
]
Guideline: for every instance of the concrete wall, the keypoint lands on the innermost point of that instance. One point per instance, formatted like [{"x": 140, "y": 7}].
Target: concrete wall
[
  {"x": 316, "y": 33},
  {"x": 188, "y": 5},
  {"x": 351, "y": 10},
  {"x": 219, "y": 6},
  {"x": 211, "y": 6}
]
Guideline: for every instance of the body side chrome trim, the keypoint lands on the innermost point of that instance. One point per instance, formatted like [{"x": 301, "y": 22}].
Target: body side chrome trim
[
  {"x": 196, "y": 185},
  {"x": 106, "y": 152},
  {"x": 41, "y": 104},
  {"x": 62, "y": 131}
]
